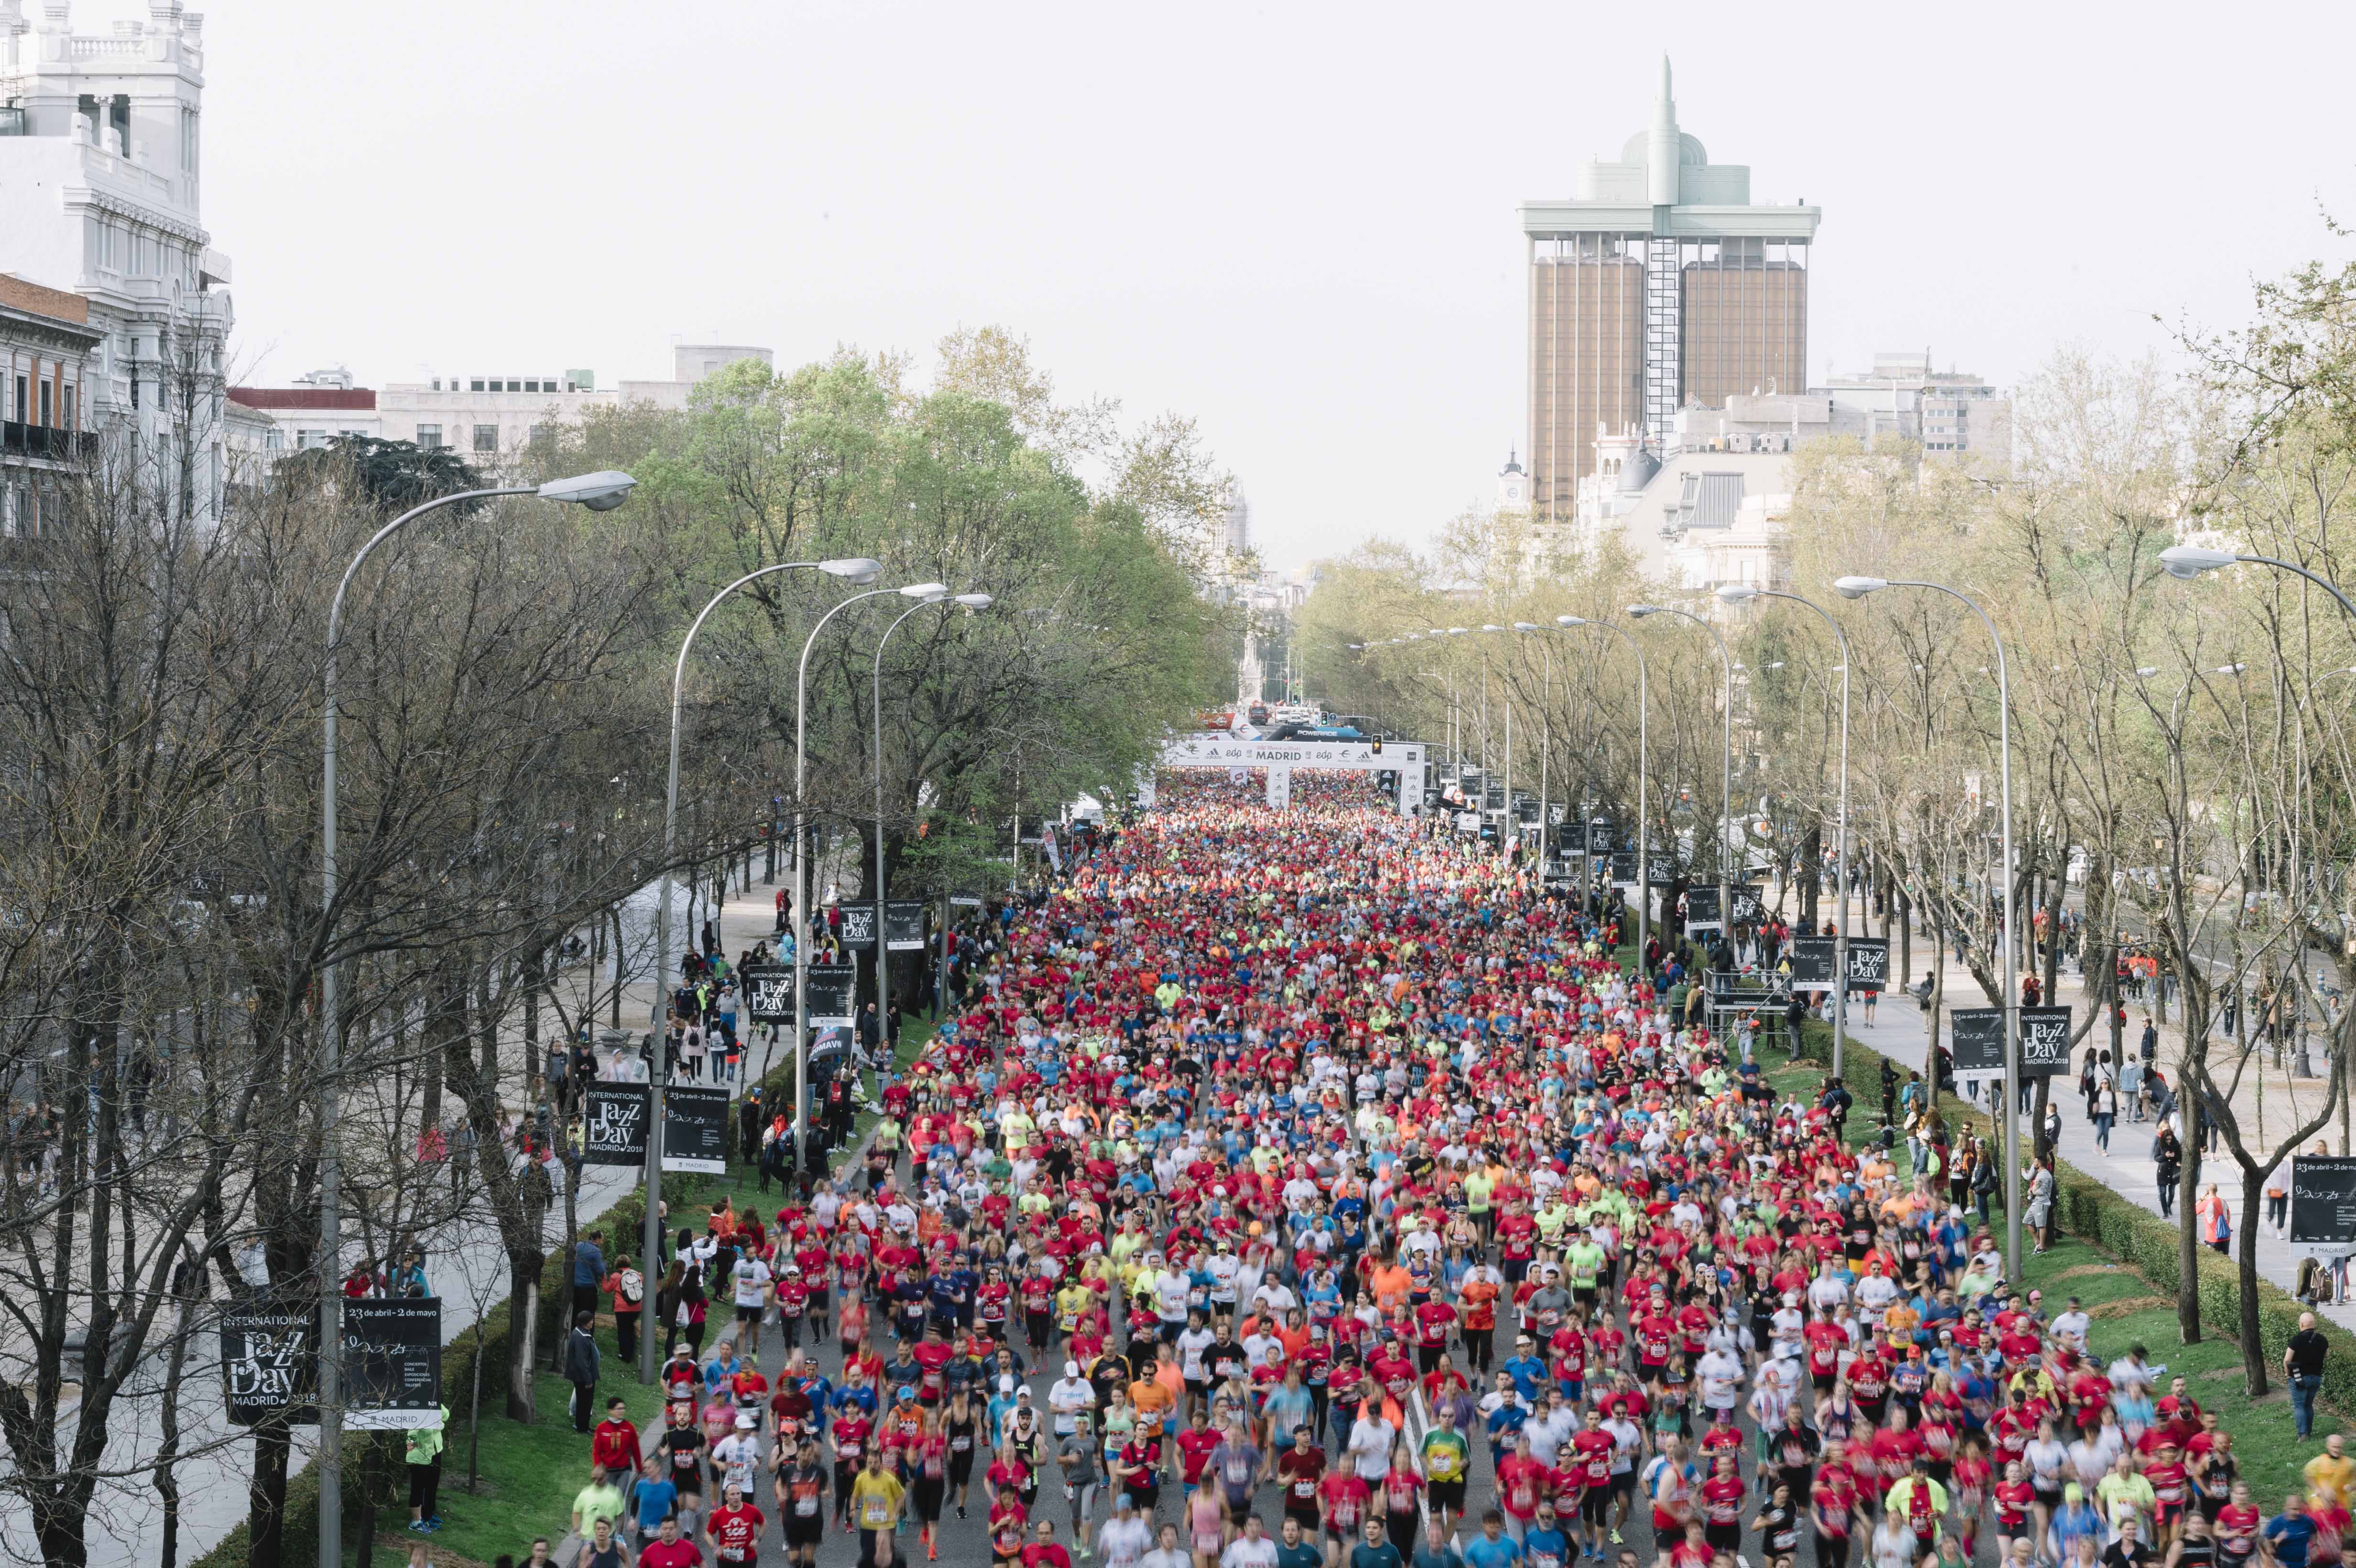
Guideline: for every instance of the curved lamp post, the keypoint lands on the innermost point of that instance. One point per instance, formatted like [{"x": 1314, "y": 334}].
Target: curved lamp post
[
  {"x": 1725, "y": 761},
  {"x": 1742, "y": 593},
  {"x": 801, "y": 889},
  {"x": 1644, "y": 766},
  {"x": 600, "y": 492},
  {"x": 852, "y": 569},
  {"x": 1546, "y": 728},
  {"x": 1858, "y": 588},
  {"x": 882, "y": 942}
]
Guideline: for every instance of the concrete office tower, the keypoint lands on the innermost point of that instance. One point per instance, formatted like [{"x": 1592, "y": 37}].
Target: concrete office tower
[{"x": 1657, "y": 286}]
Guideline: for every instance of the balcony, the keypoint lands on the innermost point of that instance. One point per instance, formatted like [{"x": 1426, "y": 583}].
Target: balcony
[{"x": 21, "y": 440}]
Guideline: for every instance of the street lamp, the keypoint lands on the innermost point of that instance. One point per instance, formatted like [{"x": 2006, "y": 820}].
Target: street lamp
[
  {"x": 1742, "y": 593},
  {"x": 1858, "y": 588},
  {"x": 600, "y": 492},
  {"x": 1546, "y": 728},
  {"x": 882, "y": 942},
  {"x": 927, "y": 591},
  {"x": 1725, "y": 761},
  {"x": 2190, "y": 561},
  {"x": 855, "y": 569},
  {"x": 1644, "y": 764}
]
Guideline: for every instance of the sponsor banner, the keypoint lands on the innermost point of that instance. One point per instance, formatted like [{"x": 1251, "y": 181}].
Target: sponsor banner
[
  {"x": 2323, "y": 1201},
  {"x": 964, "y": 900},
  {"x": 270, "y": 1365},
  {"x": 768, "y": 992},
  {"x": 393, "y": 1363},
  {"x": 1868, "y": 963},
  {"x": 904, "y": 925},
  {"x": 1977, "y": 1038},
  {"x": 1208, "y": 749},
  {"x": 1602, "y": 835},
  {"x": 858, "y": 927},
  {"x": 695, "y": 1130},
  {"x": 1813, "y": 961},
  {"x": 613, "y": 1119},
  {"x": 2044, "y": 1043},
  {"x": 833, "y": 990}
]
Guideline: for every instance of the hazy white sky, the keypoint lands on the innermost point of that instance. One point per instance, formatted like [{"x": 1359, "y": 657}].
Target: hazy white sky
[{"x": 1294, "y": 221}]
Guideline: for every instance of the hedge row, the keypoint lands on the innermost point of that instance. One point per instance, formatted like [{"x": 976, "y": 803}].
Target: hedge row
[{"x": 2090, "y": 1210}]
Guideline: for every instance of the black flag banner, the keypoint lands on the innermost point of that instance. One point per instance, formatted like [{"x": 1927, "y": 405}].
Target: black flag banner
[
  {"x": 614, "y": 1123},
  {"x": 904, "y": 925},
  {"x": 768, "y": 992},
  {"x": 695, "y": 1130},
  {"x": 270, "y": 1365},
  {"x": 858, "y": 927},
  {"x": 393, "y": 1363},
  {"x": 1868, "y": 963},
  {"x": 832, "y": 988},
  {"x": 1813, "y": 958}
]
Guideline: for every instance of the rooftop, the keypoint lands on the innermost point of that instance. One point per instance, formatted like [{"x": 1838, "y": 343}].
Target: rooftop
[
  {"x": 34, "y": 299},
  {"x": 302, "y": 397}
]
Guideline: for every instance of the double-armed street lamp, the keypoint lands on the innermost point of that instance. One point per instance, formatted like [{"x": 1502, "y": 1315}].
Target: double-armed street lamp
[
  {"x": 1643, "y": 767},
  {"x": 855, "y": 569},
  {"x": 1726, "y": 760},
  {"x": 599, "y": 492},
  {"x": 971, "y": 602},
  {"x": 926, "y": 592},
  {"x": 1742, "y": 593},
  {"x": 1858, "y": 588}
]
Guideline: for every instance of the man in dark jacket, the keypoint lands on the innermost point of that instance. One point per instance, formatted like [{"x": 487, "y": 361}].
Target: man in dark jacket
[{"x": 582, "y": 1364}]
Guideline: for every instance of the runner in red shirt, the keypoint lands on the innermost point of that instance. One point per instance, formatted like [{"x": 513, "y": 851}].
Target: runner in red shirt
[
  {"x": 1721, "y": 1506},
  {"x": 2014, "y": 1499},
  {"x": 733, "y": 1530}
]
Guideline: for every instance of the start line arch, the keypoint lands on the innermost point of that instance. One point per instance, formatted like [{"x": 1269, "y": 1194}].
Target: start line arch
[{"x": 1218, "y": 748}]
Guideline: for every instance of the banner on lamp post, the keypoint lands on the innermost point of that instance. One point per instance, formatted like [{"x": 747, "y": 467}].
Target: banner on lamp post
[
  {"x": 695, "y": 1130},
  {"x": 393, "y": 1363},
  {"x": 613, "y": 1119},
  {"x": 768, "y": 992},
  {"x": 270, "y": 1365},
  {"x": 833, "y": 989},
  {"x": 904, "y": 925}
]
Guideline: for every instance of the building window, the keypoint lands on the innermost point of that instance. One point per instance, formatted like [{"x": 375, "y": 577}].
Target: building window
[
  {"x": 477, "y": 386},
  {"x": 68, "y": 421},
  {"x": 274, "y": 439},
  {"x": 429, "y": 436},
  {"x": 487, "y": 438},
  {"x": 46, "y": 391},
  {"x": 16, "y": 410},
  {"x": 305, "y": 440}
]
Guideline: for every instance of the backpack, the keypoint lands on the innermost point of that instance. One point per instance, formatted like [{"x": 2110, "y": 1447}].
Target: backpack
[{"x": 634, "y": 1285}]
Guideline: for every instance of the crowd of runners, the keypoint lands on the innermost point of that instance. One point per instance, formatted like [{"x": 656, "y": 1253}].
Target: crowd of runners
[{"x": 1312, "y": 1190}]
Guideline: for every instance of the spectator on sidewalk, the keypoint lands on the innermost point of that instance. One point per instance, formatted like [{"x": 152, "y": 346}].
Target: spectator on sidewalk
[
  {"x": 2216, "y": 1218},
  {"x": 589, "y": 1272},
  {"x": 583, "y": 1361},
  {"x": 2303, "y": 1366},
  {"x": 2150, "y": 1040},
  {"x": 2167, "y": 1160}
]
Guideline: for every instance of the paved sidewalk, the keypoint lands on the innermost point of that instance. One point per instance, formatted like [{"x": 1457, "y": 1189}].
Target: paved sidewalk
[{"x": 2126, "y": 1168}]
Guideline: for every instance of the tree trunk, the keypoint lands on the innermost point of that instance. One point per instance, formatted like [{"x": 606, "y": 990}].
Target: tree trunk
[
  {"x": 525, "y": 1272},
  {"x": 2188, "y": 1181},
  {"x": 1906, "y": 939},
  {"x": 2245, "y": 1261},
  {"x": 266, "y": 1497},
  {"x": 168, "y": 1452}
]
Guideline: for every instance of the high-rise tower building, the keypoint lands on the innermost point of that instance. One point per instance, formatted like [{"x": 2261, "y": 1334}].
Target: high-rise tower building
[{"x": 1658, "y": 285}]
